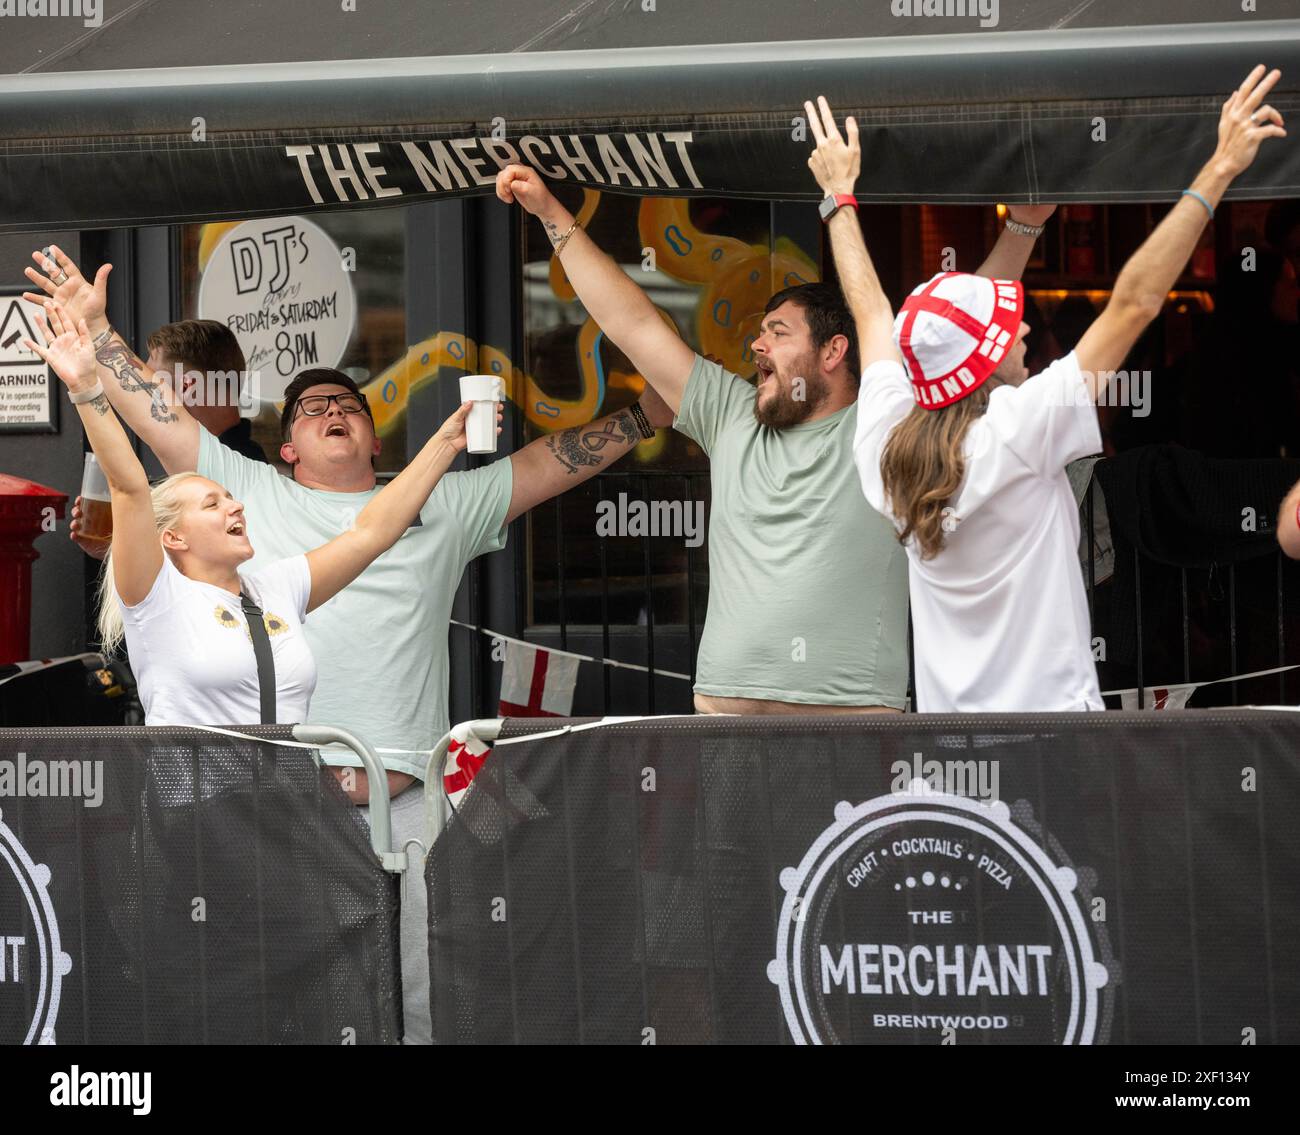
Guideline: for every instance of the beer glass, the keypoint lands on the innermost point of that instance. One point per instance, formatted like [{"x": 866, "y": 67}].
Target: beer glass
[{"x": 96, "y": 511}]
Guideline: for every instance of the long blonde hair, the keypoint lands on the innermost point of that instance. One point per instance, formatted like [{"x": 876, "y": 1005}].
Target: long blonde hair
[
  {"x": 167, "y": 506},
  {"x": 922, "y": 468}
]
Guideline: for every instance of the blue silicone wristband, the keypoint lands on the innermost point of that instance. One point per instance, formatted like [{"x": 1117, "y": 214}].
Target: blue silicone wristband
[{"x": 1208, "y": 207}]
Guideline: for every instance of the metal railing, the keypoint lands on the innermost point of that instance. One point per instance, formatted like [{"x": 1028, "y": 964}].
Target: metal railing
[{"x": 644, "y": 645}]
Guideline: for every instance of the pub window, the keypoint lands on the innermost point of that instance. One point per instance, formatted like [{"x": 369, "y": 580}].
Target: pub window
[
  {"x": 709, "y": 265},
  {"x": 358, "y": 268}
]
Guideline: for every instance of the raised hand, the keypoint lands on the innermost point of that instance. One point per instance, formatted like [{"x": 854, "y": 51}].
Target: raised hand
[
  {"x": 67, "y": 347},
  {"x": 79, "y": 298},
  {"x": 525, "y": 185},
  {"x": 836, "y": 161},
  {"x": 1245, "y": 123},
  {"x": 452, "y": 431},
  {"x": 97, "y": 549}
]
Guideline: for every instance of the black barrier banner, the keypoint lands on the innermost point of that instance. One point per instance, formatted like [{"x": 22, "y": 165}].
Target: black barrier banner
[
  {"x": 1117, "y": 878},
  {"x": 176, "y": 886}
]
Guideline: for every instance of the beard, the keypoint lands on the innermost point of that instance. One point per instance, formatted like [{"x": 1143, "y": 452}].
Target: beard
[{"x": 782, "y": 410}]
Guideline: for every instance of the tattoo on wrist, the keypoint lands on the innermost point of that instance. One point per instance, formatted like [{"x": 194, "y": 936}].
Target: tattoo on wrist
[
  {"x": 102, "y": 338},
  {"x": 117, "y": 358},
  {"x": 581, "y": 446},
  {"x": 559, "y": 241},
  {"x": 626, "y": 422},
  {"x": 100, "y": 404}
]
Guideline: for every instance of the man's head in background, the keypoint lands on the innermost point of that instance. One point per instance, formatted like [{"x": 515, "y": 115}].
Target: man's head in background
[{"x": 207, "y": 369}]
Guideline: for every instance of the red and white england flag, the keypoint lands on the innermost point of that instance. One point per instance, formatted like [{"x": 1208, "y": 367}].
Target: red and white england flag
[
  {"x": 1158, "y": 697},
  {"x": 536, "y": 682},
  {"x": 465, "y": 756}
]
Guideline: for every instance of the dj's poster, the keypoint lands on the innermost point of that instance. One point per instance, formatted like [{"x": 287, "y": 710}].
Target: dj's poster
[
  {"x": 285, "y": 289},
  {"x": 28, "y": 391}
]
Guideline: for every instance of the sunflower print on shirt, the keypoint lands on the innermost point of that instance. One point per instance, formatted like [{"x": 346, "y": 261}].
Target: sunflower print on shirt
[{"x": 274, "y": 623}]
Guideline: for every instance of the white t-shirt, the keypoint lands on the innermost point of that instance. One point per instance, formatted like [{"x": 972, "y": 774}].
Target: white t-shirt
[
  {"x": 999, "y": 616},
  {"x": 193, "y": 656},
  {"x": 381, "y": 642}
]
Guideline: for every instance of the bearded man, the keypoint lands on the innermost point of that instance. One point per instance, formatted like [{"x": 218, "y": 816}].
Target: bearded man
[{"x": 807, "y": 604}]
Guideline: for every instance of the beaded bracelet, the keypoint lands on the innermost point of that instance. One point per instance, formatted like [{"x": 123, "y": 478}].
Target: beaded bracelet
[{"x": 642, "y": 422}]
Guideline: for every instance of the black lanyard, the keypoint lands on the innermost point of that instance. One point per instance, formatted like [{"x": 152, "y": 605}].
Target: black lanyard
[{"x": 265, "y": 660}]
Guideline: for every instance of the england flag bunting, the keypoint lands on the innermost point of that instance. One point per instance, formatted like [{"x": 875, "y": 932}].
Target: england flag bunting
[
  {"x": 536, "y": 682},
  {"x": 1159, "y": 697},
  {"x": 465, "y": 756}
]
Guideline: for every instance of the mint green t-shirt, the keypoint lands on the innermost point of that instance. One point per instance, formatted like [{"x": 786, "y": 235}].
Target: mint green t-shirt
[
  {"x": 381, "y": 643},
  {"x": 807, "y": 582}
]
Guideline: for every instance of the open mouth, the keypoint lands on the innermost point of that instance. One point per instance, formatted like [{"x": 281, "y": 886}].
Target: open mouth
[
  {"x": 236, "y": 529},
  {"x": 336, "y": 429},
  {"x": 765, "y": 371}
]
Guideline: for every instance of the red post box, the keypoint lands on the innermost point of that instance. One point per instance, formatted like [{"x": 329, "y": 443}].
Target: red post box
[{"x": 23, "y": 517}]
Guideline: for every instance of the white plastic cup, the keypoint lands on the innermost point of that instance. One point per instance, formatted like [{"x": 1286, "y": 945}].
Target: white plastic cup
[{"x": 485, "y": 391}]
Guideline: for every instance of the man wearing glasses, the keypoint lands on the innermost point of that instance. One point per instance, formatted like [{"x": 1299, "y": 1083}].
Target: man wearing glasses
[{"x": 381, "y": 643}]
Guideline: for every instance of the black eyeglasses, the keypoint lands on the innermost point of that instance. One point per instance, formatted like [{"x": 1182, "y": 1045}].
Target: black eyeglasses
[{"x": 313, "y": 405}]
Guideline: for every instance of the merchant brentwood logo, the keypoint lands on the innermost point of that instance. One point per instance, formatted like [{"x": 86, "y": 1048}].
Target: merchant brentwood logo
[
  {"x": 89, "y": 12},
  {"x": 926, "y": 915},
  {"x": 32, "y": 962}
]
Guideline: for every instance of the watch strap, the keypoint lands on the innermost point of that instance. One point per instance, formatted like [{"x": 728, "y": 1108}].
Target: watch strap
[{"x": 832, "y": 203}]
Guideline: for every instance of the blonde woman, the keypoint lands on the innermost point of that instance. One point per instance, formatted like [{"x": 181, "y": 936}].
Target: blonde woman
[{"x": 172, "y": 585}]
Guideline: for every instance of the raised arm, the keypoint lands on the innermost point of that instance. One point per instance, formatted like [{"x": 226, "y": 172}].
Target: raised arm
[
  {"x": 556, "y": 463},
  {"x": 1011, "y": 253},
  {"x": 146, "y": 401},
  {"x": 390, "y": 513},
  {"x": 1144, "y": 283},
  {"x": 835, "y": 163},
  {"x": 137, "y": 555},
  {"x": 620, "y": 308}
]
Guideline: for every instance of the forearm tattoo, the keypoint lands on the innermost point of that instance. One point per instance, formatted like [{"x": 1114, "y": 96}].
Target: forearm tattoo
[
  {"x": 582, "y": 445},
  {"x": 100, "y": 404},
  {"x": 118, "y": 358}
]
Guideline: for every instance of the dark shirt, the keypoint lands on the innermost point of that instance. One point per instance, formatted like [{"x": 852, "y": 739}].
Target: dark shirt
[{"x": 240, "y": 438}]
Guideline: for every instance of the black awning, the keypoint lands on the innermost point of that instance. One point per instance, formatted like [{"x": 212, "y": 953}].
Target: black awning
[
  {"x": 1102, "y": 114},
  {"x": 122, "y": 34}
]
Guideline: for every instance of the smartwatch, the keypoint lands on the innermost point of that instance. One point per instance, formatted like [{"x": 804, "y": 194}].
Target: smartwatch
[{"x": 833, "y": 204}]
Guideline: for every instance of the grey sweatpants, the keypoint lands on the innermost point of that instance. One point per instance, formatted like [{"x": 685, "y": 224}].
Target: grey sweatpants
[{"x": 408, "y": 823}]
